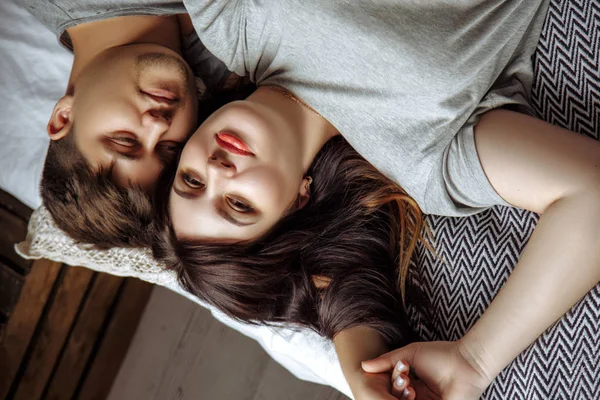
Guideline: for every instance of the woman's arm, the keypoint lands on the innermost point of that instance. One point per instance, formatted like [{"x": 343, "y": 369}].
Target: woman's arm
[{"x": 549, "y": 170}]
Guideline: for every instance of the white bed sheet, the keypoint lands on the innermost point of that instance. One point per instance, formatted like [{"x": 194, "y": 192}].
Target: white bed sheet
[{"x": 34, "y": 71}]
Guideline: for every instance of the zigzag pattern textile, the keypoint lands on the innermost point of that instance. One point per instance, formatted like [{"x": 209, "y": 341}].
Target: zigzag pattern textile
[{"x": 479, "y": 252}]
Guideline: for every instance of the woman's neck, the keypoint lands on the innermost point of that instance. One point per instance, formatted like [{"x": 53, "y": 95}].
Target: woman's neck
[
  {"x": 92, "y": 38},
  {"x": 312, "y": 128}
]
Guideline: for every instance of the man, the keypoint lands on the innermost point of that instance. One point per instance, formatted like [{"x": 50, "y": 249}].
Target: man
[{"x": 129, "y": 106}]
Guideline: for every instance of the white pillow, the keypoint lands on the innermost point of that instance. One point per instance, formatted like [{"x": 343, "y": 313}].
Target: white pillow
[{"x": 304, "y": 353}]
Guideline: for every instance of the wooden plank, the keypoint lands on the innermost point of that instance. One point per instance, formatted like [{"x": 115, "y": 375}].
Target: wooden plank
[
  {"x": 54, "y": 329},
  {"x": 104, "y": 365},
  {"x": 22, "y": 324},
  {"x": 164, "y": 321},
  {"x": 15, "y": 206},
  {"x": 213, "y": 361},
  {"x": 13, "y": 229},
  {"x": 11, "y": 284},
  {"x": 200, "y": 358},
  {"x": 279, "y": 383},
  {"x": 83, "y": 337}
]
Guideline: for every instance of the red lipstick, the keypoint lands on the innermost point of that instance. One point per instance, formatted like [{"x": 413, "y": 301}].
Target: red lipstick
[{"x": 232, "y": 144}]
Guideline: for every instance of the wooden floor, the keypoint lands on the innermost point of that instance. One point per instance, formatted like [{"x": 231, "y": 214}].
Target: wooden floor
[
  {"x": 64, "y": 331},
  {"x": 181, "y": 352},
  {"x": 13, "y": 269}
]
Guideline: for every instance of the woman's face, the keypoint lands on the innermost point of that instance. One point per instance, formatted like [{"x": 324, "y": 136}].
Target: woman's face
[{"x": 237, "y": 176}]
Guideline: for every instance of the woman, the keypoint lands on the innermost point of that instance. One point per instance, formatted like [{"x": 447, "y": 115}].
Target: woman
[{"x": 415, "y": 114}]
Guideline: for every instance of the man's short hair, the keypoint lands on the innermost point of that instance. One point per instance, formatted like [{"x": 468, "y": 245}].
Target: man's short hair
[{"x": 88, "y": 206}]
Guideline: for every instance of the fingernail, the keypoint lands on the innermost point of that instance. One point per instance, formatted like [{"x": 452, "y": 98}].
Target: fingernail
[
  {"x": 406, "y": 393},
  {"x": 400, "y": 366},
  {"x": 399, "y": 381}
]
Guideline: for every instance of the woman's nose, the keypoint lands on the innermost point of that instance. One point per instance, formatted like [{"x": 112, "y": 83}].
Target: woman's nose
[{"x": 219, "y": 164}]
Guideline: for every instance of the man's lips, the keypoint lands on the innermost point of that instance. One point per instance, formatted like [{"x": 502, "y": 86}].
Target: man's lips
[{"x": 232, "y": 144}]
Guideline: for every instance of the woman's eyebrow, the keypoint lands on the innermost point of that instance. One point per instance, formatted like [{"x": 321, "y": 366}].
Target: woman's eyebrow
[
  {"x": 231, "y": 219},
  {"x": 185, "y": 195}
]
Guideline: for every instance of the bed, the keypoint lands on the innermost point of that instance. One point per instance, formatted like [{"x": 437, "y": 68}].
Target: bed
[
  {"x": 34, "y": 70},
  {"x": 445, "y": 299}
]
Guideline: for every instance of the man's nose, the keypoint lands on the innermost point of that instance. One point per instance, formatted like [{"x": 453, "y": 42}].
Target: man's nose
[{"x": 155, "y": 122}]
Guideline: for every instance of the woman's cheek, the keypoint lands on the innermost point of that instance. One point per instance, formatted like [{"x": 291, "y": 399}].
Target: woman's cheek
[{"x": 269, "y": 189}]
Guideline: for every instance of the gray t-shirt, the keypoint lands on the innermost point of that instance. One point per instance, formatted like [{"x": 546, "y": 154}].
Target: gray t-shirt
[
  {"x": 403, "y": 81},
  {"x": 59, "y": 15}
]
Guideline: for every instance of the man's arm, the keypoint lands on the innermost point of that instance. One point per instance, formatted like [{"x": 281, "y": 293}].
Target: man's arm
[{"x": 355, "y": 345}]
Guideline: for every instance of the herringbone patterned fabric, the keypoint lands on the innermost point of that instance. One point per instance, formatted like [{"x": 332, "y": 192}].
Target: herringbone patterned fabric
[
  {"x": 479, "y": 252},
  {"x": 566, "y": 91}
]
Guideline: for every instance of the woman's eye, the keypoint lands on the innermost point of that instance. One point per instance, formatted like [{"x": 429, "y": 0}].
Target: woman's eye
[
  {"x": 238, "y": 205},
  {"x": 192, "y": 182},
  {"x": 172, "y": 147}
]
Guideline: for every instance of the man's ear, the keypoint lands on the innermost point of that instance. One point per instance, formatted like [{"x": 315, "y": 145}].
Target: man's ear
[
  {"x": 61, "y": 120},
  {"x": 304, "y": 192}
]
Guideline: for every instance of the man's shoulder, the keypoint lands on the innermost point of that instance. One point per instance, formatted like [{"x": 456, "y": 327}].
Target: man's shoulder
[{"x": 59, "y": 15}]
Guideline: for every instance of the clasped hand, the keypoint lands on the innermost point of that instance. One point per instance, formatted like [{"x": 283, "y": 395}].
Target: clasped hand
[{"x": 439, "y": 370}]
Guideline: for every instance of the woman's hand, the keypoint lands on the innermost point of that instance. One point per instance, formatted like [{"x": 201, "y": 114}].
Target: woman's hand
[
  {"x": 367, "y": 386},
  {"x": 443, "y": 370}
]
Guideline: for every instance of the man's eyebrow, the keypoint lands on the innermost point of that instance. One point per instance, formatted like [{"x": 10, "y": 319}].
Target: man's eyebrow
[
  {"x": 220, "y": 211},
  {"x": 118, "y": 154}
]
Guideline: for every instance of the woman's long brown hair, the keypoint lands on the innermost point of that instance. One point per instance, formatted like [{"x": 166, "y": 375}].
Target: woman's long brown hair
[{"x": 356, "y": 234}]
